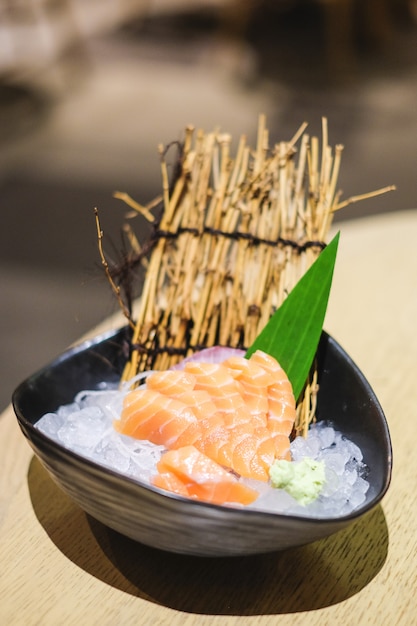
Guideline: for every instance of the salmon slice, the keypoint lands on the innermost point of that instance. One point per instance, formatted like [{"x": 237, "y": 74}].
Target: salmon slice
[
  {"x": 246, "y": 450},
  {"x": 281, "y": 401},
  {"x": 281, "y": 418},
  {"x": 254, "y": 381},
  {"x": 220, "y": 444},
  {"x": 252, "y": 453},
  {"x": 202, "y": 478},
  {"x": 196, "y": 433},
  {"x": 218, "y": 382},
  {"x": 281, "y": 444},
  {"x": 199, "y": 401},
  {"x": 148, "y": 414},
  {"x": 246, "y": 459},
  {"x": 267, "y": 449},
  {"x": 170, "y": 482},
  {"x": 171, "y": 383},
  {"x": 216, "y": 444}
]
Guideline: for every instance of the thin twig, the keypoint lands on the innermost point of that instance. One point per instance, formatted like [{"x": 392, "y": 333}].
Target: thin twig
[{"x": 115, "y": 288}]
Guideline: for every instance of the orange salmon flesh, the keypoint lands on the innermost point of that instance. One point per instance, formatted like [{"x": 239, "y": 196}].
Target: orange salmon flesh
[{"x": 218, "y": 421}]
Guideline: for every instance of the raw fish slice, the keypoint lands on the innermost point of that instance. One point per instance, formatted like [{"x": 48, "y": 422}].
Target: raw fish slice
[
  {"x": 221, "y": 445},
  {"x": 223, "y": 492},
  {"x": 282, "y": 406},
  {"x": 267, "y": 448},
  {"x": 208, "y": 418},
  {"x": 203, "y": 478},
  {"x": 153, "y": 416},
  {"x": 282, "y": 446},
  {"x": 267, "y": 362},
  {"x": 216, "y": 445},
  {"x": 278, "y": 378},
  {"x": 253, "y": 453},
  {"x": 282, "y": 422},
  {"x": 138, "y": 400},
  {"x": 246, "y": 460},
  {"x": 243, "y": 416},
  {"x": 170, "y": 482},
  {"x": 240, "y": 449},
  {"x": 197, "y": 432},
  {"x": 199, "y": 401},
  {"x": 217, "y": 381},
  {"x": 254, "y": 381},
  {"x": 170, "y": 383},
  {"x": 234, "y": 452}
]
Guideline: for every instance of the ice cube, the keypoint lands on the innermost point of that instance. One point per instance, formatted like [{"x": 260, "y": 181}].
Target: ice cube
[{"x": 83, "y": 428}]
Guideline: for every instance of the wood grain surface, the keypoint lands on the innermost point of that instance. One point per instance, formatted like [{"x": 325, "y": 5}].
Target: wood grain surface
[{"x": 59, "y": 566}]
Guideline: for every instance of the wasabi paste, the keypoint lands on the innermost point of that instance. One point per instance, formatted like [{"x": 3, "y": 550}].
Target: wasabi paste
[{"x": 303, "y": 480}]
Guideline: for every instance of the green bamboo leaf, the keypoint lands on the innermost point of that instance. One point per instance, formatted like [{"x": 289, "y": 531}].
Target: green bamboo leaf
[{"x": 292, "y": 334}]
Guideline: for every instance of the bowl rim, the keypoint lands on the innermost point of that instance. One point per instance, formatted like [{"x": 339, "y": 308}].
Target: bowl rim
[{"x": 74, "y": 458}]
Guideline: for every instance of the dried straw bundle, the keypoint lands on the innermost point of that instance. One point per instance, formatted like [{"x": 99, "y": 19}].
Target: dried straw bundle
[{"x": 234, "y": 237}]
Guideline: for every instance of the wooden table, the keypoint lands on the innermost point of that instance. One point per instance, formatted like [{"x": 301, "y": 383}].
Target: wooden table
[{"x": 58, "y": 566}]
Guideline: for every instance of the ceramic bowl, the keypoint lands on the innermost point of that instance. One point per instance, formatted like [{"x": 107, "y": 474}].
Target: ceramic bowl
[{"x": 176, "y": 524}]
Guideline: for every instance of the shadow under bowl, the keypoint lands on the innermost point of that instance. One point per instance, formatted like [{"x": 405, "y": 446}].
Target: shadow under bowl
[{"x": 185, "y": 526}]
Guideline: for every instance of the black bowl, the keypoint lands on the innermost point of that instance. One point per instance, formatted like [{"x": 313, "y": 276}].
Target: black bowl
[{"x": 176, "y": 524}]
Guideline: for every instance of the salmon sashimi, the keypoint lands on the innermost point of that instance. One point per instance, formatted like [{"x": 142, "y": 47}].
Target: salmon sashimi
[
  {"x": 238, "y": 413},
  {"x": 170, "y": 482},
  {"x": 281, "y": 401},
  {"x": 148, "y": 414},
  {"x": 188, "y": 471},
  {"x": 203, "y": 407},
  {"x": 196, "y": 433},
  {"x": 171, "y": 383},
  {"x": 281, "y": 445},
  {"x": 254, "y": 382},
  {"x": 216, "y": 379},
  {"x": 199, "y": 401},
  {"x": 243, "y": 449}
]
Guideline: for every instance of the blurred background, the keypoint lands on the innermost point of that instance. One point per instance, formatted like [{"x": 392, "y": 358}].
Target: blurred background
[{"x": 89, "y": 88}]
